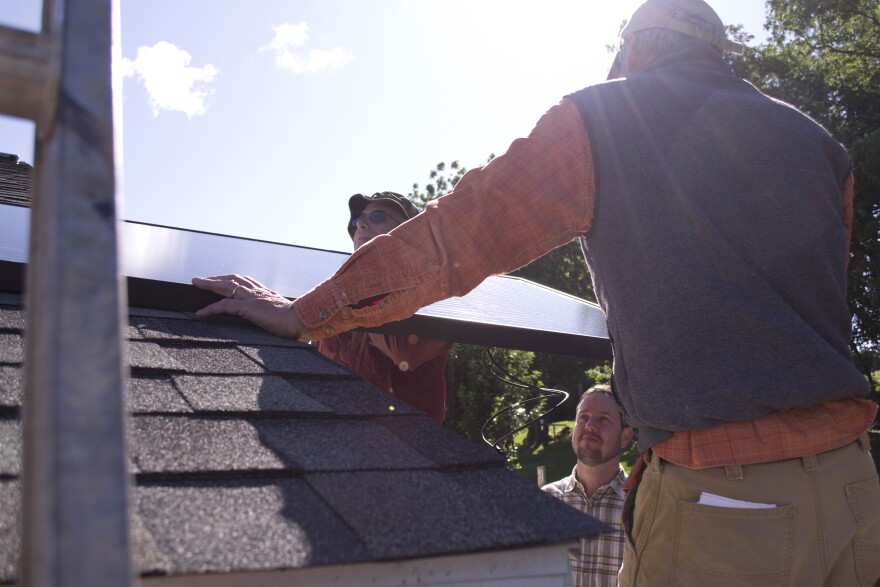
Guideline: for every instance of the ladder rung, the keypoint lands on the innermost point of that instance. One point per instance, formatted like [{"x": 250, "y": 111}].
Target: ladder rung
[{"x": 28, "y": 74}]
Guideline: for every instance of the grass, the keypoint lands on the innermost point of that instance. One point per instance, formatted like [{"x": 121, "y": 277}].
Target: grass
[{"x": 556, "y": 455}]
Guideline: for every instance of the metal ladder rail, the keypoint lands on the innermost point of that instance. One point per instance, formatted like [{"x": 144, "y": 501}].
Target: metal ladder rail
[{"x": 75, "y": 475}]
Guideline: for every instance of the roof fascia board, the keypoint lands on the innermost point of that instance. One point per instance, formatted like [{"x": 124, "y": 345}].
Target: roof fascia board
[{"x": 545, "y": 566}]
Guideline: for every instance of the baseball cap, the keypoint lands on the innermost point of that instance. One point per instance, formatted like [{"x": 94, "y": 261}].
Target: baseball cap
[
  {"x": 689, "y": 17},
  {"x": 358, "y": 202}
]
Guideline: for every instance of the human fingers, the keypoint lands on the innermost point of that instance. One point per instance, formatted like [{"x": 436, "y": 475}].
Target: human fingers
[
  {"x": 273, "y": 314},
  {"x": 223, "y": 285},
  {"x": 228, "y": 286}
]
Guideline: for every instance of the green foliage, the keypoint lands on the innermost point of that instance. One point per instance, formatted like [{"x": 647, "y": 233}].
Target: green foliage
[
  {"x": 441, "y": 183},
  {"x": 475, "y": 395}
]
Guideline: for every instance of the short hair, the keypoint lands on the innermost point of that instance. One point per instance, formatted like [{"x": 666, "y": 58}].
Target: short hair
[
  {"x": 599, "y": 388},
  {"x": 607, "y": 391},
  {"x": 658, "y": 41}
]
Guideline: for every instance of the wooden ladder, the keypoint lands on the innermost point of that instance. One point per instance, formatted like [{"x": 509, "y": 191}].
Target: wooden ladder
[{"x": 74, "y": 470}]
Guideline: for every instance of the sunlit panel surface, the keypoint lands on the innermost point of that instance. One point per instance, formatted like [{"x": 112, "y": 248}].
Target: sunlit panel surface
[{"x": 502, "y": 311}]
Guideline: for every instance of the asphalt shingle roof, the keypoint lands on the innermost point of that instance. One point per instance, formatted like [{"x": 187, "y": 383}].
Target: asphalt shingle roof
[
  {"x": 251, "y": 452},
  {"x": 16, "y": 180}
]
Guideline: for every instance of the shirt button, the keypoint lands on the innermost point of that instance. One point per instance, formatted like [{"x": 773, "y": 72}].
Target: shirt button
[
  {"x": 383, "y": 303},
  {"x": 329, "y": 330},
  {"x": 322, "y": 314}
]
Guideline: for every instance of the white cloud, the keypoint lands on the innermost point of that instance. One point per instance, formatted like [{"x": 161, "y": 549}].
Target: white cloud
[
  {"x": 289, "y": 53},
  {"x": 169, "y": 80}
]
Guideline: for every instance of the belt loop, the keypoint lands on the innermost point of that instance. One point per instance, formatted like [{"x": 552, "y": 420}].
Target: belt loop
[
  {"x": 865, "y": 442},
  {"x": 810, "y": 463},
  {"x": 655, "y": 465},
  {"x": 733, "y": 472}
]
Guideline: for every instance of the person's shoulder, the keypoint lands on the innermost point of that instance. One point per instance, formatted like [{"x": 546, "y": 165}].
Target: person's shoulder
[{"x": 559, "y": 487}]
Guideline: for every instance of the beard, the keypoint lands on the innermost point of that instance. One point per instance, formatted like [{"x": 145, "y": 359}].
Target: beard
[{"x": 593, "y": 456}]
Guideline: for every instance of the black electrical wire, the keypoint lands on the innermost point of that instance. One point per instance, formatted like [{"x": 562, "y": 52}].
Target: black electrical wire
[{"x": 502, "y": 375}]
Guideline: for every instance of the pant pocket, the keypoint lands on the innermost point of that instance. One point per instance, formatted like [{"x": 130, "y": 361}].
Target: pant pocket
[
  {"x": 727, "y": 546},
  {"x": 864, "y": 500}
]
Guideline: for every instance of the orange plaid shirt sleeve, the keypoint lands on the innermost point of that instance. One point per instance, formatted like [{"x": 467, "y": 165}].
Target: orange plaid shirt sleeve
[{"x": 537, "y": 196}]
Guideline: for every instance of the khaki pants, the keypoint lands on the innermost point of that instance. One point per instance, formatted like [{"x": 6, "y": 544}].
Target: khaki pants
[{"x": 824, "y": 530}]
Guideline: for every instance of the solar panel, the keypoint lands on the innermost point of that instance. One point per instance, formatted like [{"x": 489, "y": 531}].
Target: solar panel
[{"x": 160, "y": 261}]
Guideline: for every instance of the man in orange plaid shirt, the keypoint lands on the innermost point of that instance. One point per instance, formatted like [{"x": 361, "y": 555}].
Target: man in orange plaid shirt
[{"x": 715, "y": 221}]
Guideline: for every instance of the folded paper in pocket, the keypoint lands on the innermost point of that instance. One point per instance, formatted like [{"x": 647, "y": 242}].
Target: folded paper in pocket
[{"x": 726, "y": 502}]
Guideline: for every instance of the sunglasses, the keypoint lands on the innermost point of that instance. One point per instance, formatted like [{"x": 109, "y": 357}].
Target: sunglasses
[{"x": 374, "y": 217}]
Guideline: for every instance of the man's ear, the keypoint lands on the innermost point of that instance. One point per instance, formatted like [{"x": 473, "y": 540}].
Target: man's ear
[{"x": 626, "y": 436}]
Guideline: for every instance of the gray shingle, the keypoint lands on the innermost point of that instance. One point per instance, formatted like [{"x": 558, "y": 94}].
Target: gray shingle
[
  {"x": 467, "y": 511},
  {"x": 161, "y": 444},
  {"x": 11, "y": 349},
  {"x": 131, "y": 333},
  {"x": 539, "y": 512},
  {"x": 11, "y": 394},
  {"x": 337, "y": 445},
  {"x": 172, "y": 444},
  {"x": 10, "y": 530},
  {"x": 210, "y": 331},
  {"x": 12, "y": 319},
  {"x": 155, "y": 313},
  {"x": 10, "y": 447},
  {"x": 245, "y": 394},
  {"x": 212, "y": 360},
  {"x": 440, "y": 444},
  {"x": 146, "y": 553},
  {"x": 221, "y": 527},
  {"x": 306, "y": 361},
  {"x": 154, "y": 394},
  {"x": 427, "y": 499},
  {"x": 351, "y": 398},
  {"x": 149, "y": 355}
]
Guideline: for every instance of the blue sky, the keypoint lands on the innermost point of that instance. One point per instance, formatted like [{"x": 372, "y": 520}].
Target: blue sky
[{"x": 261, "y": 118}]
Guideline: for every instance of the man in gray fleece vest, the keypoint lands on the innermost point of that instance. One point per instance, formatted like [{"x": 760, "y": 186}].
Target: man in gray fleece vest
[
  {"x": 715, "y": 221},
  {"x": 719, "y": 253}
]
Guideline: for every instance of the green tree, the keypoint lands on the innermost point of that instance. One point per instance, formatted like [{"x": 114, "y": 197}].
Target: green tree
[
  {"x": 475, "y": 394},
  {"x": 823, "y": 56}
]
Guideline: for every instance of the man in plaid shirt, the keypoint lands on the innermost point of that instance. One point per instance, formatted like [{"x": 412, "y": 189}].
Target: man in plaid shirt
[{"x": 595, "y": 485}]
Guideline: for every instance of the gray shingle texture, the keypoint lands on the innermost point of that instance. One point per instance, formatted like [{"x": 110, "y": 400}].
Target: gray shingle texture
[
  {"x": 10, "y": 386},
  {"x": 11, "y": 348},
  {"x": 10, "y": 447},
  {"x": 10, "y": 529},
  {"x": 251, "y": 452},
  {"x": 12, "y": 319},
  {"x": 246, "y": 394},
  {"x": 295, "y": 362},
  {"x": 145, "y": 395}
]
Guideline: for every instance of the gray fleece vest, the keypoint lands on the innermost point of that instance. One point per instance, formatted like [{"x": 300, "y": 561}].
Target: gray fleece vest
[{"x": 717, "y": 247}]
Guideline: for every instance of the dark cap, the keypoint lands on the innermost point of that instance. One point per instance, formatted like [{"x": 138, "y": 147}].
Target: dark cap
[
  {"x": 358, "y": 202},
  {"x": 690, "y": 17}
]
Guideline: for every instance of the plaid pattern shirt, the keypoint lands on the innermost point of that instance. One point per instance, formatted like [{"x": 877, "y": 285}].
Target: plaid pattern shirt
[
  {"x": 598, "y": 560},
  {"x": 539, "y": 195}
]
